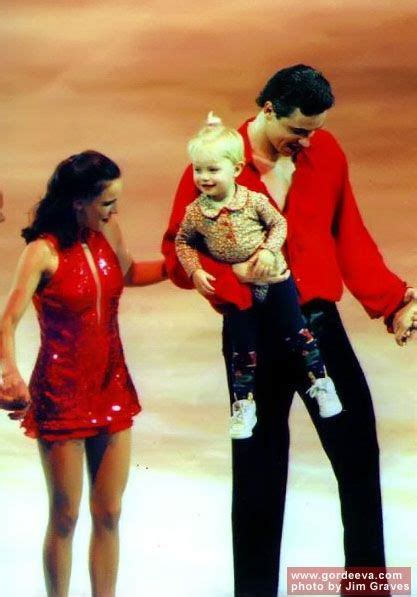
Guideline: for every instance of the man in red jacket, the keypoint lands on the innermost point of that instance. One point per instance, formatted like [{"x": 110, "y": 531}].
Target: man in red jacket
[{"x": 303, "y": 171}]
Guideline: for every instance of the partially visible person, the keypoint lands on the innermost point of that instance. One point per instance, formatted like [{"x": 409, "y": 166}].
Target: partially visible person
[
  {"x": 2, "y": 216},
  {"x": 236, "y": 224},
  {"x": 80, "y": 399},
  {"x": 301, "y": 168}
]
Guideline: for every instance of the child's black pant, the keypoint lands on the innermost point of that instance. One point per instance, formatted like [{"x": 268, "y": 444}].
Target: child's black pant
[{"x": 283, "y": 311}]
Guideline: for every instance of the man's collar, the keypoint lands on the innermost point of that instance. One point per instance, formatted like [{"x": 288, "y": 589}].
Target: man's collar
[{"x": 243, "y": 130}]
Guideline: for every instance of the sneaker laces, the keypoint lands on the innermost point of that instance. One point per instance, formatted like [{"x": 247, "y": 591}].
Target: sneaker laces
[{"x": 317, "y": 388}]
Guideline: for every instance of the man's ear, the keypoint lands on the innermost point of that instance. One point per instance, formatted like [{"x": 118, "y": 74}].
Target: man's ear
[{"x": 268, "y": 109}]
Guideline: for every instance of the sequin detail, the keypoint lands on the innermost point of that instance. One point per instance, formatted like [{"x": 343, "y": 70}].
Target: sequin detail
[{"x": 80, "y": 383}]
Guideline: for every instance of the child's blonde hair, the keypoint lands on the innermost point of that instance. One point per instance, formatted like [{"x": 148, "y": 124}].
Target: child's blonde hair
[{"x": 215, "y": 138}]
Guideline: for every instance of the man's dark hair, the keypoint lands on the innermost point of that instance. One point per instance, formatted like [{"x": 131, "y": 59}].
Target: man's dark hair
[{"x": 298, "y": 86}]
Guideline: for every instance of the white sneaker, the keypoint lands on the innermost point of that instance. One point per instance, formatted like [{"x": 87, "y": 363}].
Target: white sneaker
[
  {"x": 324, "y": 392},
  {"x": 243, "y": 419}
]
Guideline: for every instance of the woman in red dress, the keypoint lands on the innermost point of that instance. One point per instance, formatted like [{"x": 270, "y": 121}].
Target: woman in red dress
[{"x": 80, "y": 398}]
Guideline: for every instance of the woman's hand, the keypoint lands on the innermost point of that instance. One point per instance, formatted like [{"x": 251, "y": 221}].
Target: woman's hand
[
  {"x": 202, "y": 282},
  {"x": 410, "y": 294},
  {"x": 14, "y": 393}
]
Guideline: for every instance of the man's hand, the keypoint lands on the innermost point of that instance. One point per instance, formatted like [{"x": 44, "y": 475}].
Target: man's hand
[
  {"x": 201, "y": 280},
  {"x": 405, "y": 322},
  {"x": 244, "y": 272},
  {"x": 263, "y": 263}
]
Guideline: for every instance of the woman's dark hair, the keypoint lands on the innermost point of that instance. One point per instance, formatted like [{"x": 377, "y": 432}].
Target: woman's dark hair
[
  {"x": 298, "y": 86},
  {"x": 82, "y": 177}
]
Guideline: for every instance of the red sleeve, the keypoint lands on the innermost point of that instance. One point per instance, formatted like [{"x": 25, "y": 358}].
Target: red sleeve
[
  {"x": 363, "y": 269},
  {"x": 227, "y": 287},
  {"x": 186, "y": 193}
]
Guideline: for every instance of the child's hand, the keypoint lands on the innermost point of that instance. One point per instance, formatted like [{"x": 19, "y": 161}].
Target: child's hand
[
  {"x": 202, "y": 280},
  {"x": 263, "y": 263}
]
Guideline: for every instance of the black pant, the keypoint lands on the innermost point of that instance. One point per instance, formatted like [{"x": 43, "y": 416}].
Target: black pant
[
  {"x": 260, "y": 463},
  {"x": 283, "y": 307}
]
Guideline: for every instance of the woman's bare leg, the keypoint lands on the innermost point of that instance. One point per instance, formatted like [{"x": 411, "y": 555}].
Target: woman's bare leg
[
  {"x": 62, "y": 462},
  {"x": 108, "y": 458}
]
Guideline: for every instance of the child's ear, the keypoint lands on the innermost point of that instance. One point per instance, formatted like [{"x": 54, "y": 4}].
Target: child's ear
[{"x": 238, "y": 168}]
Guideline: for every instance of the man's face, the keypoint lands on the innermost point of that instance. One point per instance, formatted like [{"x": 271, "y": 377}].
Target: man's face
[{"x": 289, "y": 134}]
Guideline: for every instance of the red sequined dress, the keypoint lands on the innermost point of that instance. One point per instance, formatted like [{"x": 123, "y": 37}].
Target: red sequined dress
[{"x": 80, "y": 384}]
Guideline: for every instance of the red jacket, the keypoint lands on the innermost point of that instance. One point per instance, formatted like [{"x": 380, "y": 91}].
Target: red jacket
[{"x": 327, "y": 243}]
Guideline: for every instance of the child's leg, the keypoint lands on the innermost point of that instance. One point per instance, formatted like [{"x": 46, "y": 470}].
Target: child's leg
[
  {"x": 289, "y": 323},
  {"x": 242, "y": 326},
  {"x": 286, "y": 317},
  {"x": 243, "y": 332}
]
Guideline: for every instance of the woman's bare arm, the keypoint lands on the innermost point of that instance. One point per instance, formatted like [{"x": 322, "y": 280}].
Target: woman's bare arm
[
  {"x": 35, "y": 260},
  {"x": 136, "y": 273}
]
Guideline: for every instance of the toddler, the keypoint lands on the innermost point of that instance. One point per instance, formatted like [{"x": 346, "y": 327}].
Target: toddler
[{"x": 236, "y": 224}]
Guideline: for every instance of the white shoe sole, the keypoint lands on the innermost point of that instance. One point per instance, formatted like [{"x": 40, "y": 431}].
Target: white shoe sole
[
  {"x": 244, "y": 434},
  {"x": 327, "y": 413}
]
